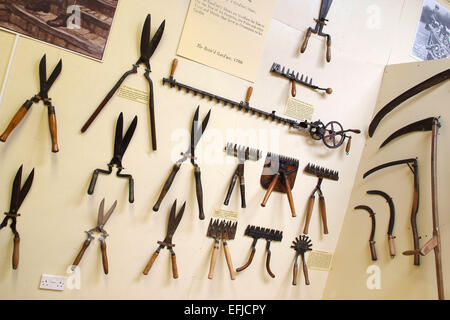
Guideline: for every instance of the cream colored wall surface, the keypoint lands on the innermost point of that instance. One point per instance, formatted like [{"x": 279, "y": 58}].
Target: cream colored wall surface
[
  {"x": 58, "y": 209},
  {"x": 400, "y": 279}
]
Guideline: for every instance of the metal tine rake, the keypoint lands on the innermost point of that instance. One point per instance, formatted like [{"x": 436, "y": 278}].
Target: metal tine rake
[{"x": 221, "y": 230}]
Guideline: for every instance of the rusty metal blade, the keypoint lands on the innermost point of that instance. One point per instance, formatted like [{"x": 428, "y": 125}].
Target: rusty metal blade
[{"x": 422, "y": 125}]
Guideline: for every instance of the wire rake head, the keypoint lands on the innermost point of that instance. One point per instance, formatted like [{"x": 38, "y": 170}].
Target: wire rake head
[
  {"x": 301, "y": 244},
  {"x": 276, "y": 160},
  {"x": 243, "y": 153},
  {"x": 321, "y": 172},
  {"x": 264, "y": 233},
  {"x": 226, "y": 230}
]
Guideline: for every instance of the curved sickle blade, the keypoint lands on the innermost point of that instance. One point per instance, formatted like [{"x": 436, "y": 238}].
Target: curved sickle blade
[
  {"x": 372, "y": 216},
  {"x": 145, "y": 36},
  {"x": 430, "y": 82},
  {"x": 422, "y": 125},
  {"x": 390, "y": 164},
  {"x": 391, "y": 208},
  {"x": 155, "y": 40}
]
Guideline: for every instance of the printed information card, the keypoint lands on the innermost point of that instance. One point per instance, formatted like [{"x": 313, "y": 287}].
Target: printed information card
[{"x": 227, "y": 35}]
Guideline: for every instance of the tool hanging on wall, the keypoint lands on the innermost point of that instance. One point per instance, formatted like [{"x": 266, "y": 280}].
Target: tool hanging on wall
[
  {"x": 301, "y": 244},
  {"x": 332, "y": 134},
  {"x": 320, "y": 173},
  {"x": 18, "y": 194},
  {"x": 424, "y": 85},
  {"x": 264, "y": 233},
  {"x": 429, "y": 124},
  {"x": 279, "y": 175},
  {"x": 294, "y": 78},
  {"x": 414, "y": 167},
  {"x": 243, "y": 154},
  {"x": 172, "y": 225},
  {"x": 102, "y": 218},
  {"x": 45, "y": 86},
  {"x": 318, "y": 29},
  {"x": 196, "y": 134},
  {"x": 221, "y": 230},
  {"x": 120, "y": 146},
  {"x": 147, "y": 49},
  {"x": 373, "y": 252},
  {"x": 390, "y": 232}
]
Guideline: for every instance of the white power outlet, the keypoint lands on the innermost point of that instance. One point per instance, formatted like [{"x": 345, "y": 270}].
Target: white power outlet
[{"x": 51, "y": 282}]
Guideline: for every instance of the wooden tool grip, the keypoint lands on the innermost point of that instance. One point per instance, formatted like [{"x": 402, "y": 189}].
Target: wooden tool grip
[
  {"x": 53, "y": 128},
  {"x": 150, "y": 262},
  {"x": 250, "y": 259},
  {"x": 328, "y": 49},
  {"x": 391, "y": 245},
  {"x": 174, "y": 266},
  {"x": 16, "y": 252},
  {"x": 174, "y": 67},
  {"x": 305, "y": 271},
  {"x": 213, "y": 259},
  {"x": 289, "y": 195},
  {"x": 269, "y": 254},
  {"x": 323, "y": 214},
  {"x": 295, "y": 274},
  {"x": 248, "y": 95},
  {"x": 167, "y": 186},
  {"x": 230, "y": 190},
  {"x": 242, "y": 187},
  {"x": 309, "y": 210},
  {"x": 269, "y": 190},
  {"x": 373, "y": 252},
  {"x": 305, "y": 42},
  {"x": 104, "y": 257},
  {"x": 86, "y": 244},
  {"x": 348, "y": 146},
  {"x": 228, "y": 258},
  {"x": 131, "y": 190},
  {"x": 199, "y": 192},
  {"x": 14, "y": 122},
  {"x": 293, "y": 89}
]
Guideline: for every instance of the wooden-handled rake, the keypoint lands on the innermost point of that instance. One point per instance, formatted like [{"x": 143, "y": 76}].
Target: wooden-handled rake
[
  {"x": 221, "y": 230},
  {"x": 301, "y": 244}
]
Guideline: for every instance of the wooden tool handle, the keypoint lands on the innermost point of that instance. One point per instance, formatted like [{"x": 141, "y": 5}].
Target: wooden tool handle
[
  {"x": 242, "y": 187},
  {"x": 199, "y": 192},
  {"x": 250, "y": 259},
  {"x": 150, "y": 262},
  {"x": 230, "y": 190},
  {"x": 293, "y": 88},
  {"x": 16, "y": 120},
  {"x": 305, "y": 42},
  {"x": 305, "y": 270},
  {"x": 16, "y": 252},
  {"x": 309, "y": 210},
  {"x": 323, "y": 214},
  {"x": 174, "y": 67},
  {"x": 248, "y": 95},
  {"x": 269, "y": 190},
  {"x": 81, "y": 253},
  {"x": 295, "y": 274},
  {"x": 329, "y": 91},
  {"x": 104, "y": 257},
  {"x": 391, "y": 245},
  {"x": 269, "y": 254},
  {"x": 93, "y": 182},
  {"x": 289, "y": 195},
  {"x": 167, "y": 186},
  {"x": 213, "y": 259},
  {"x": 229, "y": 262},
  {"x": 53, "y": 128},
  {"x": 328, "y": 49},
  {"x": 373, "y": 252},
  {"x": 174, "y": 266},
  {"x": 131, "y": 190},
  {"x": 349, "y": 145}
]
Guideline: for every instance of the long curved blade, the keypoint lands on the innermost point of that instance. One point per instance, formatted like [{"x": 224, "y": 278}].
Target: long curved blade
[
  {"x": 108, "y": 214},
  {"x": 430, "y": 82},
  {"x": 391, "y": 208},
  {"x": 422, "y": 125},
  {"x": 128, "y": 135},
  {"x": 26, "y": 187},
  {"x": 324, "y": 8},
  {"x": 372, "y": 216},
  {"x": 145, "y": 36},
  {"x": 118, "y": 135},
  {"x": 155, "y": 40},
  {"x": 43, "y": 73},
  {"x": 54, "y": 75},
  {"x": 14, "y": 205},
  {"x": 194, "y": 134},
  {"x": 389, "y": 164}
]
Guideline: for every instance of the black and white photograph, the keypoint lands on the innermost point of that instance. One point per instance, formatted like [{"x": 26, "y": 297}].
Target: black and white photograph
[
  {"x": 81, "y": 26},
  {"x": 432, "y": 40}
]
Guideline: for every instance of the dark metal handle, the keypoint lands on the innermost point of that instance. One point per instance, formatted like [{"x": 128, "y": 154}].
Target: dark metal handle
[
  {"x": 167, "y": 185},
  {"x": 151, "y": 104},
  {"x": 107, "y": 98},
  {"x": 199, "y": 191},
  {"x": 16, "y": 252},
  {"x": 16, "y": 120},
  {"x": 242, "y": 187},
  {"x": 269, "y": 254},
  {"x": 250, "y": 259},
  {"x": 53, "y": 128},
  {"x": 93, "y": 182},
  {"x": 230, "y": 189},
  {"x": 81, "y": 253},
  {"x": 131, "y": 190},
  {"x": 104, "y": 256}
]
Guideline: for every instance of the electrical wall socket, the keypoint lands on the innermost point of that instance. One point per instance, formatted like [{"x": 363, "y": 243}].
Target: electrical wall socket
[{"x": 51, "y": 282}]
